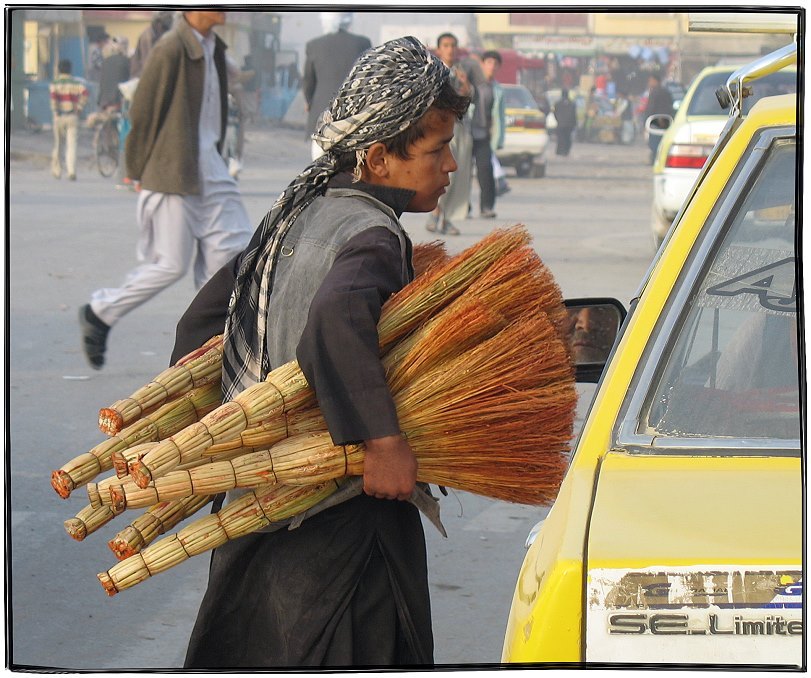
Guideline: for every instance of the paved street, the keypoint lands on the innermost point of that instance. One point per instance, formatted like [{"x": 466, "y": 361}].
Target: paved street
[{"x": 589, "y": 218}]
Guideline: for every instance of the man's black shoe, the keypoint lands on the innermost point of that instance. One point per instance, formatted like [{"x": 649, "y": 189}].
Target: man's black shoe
[{"x": 94, "y": 336}]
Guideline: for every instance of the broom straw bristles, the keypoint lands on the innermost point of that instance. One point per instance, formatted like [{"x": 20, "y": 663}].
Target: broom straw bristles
[
  {"x": 452, "y": 332},
  {"x": 438, "y": 286},
  {"x": 424, "y": 256},
  {"x": 201, "y": 366}
]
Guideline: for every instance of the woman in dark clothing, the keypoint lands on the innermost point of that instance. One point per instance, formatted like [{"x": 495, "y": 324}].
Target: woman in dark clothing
[
  {"x": 348, "y": 586},
  {"x": 566, "y": 118}
]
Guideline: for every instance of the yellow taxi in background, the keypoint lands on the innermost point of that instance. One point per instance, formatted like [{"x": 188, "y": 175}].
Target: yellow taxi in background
[
  {"x": 692, "y": 134},
  {"x": 525, "y": 137},
  {"x": 677, "y": 534}
]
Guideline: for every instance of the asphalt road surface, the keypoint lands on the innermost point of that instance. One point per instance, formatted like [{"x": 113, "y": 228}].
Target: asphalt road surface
[{"x": 589, "y": 218}]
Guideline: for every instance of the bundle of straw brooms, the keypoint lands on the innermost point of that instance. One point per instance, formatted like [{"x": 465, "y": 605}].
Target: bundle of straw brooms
[{"x": 481, "y": 377}]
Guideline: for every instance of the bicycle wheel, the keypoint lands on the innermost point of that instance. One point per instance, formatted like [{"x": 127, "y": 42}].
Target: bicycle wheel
[{"x": 107, "y": 148}]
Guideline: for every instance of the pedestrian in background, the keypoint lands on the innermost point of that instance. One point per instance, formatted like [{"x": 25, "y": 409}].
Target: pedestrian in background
[
  {"x": 189, "y": 205},
  {"x": 95, "y": 56},
  {"x": 250, "y": 88},
  {"x": 487, "y": 130},
  {"x": 624, "y": 111},
  {"x": 566, "y": 117},
  {"x": 453, "y": 205},
  {"x": 660, "y": 102},
  {"x": 115, "y": 69},
  {"x": 237, "y": 115},
  {"x": 160, "y": 24},
  {"x": 68, "y": 97},
  {"x": 328, "y": 60}
]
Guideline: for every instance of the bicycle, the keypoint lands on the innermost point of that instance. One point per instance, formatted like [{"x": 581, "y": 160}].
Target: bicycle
[{"x": 107, "y": 143}]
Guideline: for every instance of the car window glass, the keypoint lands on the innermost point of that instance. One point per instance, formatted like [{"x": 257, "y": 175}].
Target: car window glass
[
  {"x": 704, "y": 101},
  {"x": 733, "y": 368},
  {"x": 518, "y": 97}
]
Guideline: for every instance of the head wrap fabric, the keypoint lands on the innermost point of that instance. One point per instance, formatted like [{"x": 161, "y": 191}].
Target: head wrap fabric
[{"x": 389, "y": 88}]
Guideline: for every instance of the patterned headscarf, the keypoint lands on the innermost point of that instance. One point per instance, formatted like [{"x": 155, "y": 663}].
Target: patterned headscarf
[{"x": 389, "y": 88}]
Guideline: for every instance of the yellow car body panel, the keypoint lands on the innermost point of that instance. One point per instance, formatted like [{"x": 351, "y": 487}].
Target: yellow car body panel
[
  {"x": 707, "y": 565},
  {"x": 674, "y": 511},
  {"x": 545, "y": 622}
]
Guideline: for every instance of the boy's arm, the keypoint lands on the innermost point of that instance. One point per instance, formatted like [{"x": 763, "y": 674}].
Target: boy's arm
[{"x": 339, "y": 355}]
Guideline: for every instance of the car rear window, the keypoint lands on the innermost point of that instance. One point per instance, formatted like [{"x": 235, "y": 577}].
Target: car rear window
[
  {"x": 704, "y": 101},
  {"x": 518, "y": 97},
  {"x": 732, "y": 370}
]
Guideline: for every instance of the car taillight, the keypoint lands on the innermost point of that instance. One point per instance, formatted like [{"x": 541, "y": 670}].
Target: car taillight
[
  {"x": 691, "y": 156},
  {"x": 526, "y": 123}
]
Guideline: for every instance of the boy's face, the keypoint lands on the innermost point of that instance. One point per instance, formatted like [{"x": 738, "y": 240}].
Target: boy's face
[
  {"x": 428, "y": 169},
  {"x": 446, "y": 50},
  {"x": 490, "y": 67}
]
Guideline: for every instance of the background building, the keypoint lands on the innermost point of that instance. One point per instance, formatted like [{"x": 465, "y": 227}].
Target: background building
[
  {"x": 540, "y": 49},
  {"x": 578, "y": 47}
]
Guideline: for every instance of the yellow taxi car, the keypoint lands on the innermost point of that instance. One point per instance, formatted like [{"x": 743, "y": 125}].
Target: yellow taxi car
[
  {"x": 525, "y": 137},
  {"x": 692, "y": 134},
  {"x": 677, "y": 534}
]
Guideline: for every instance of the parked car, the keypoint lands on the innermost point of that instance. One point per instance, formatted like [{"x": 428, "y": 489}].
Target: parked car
[
  {"x": 677, "y": 534},
  {"x": 525, "y": 137},
  {"x": 689, "y": 139}
]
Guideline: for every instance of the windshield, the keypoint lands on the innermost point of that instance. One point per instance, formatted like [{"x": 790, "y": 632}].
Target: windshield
[
  {"x": 733, "y": 369},
  {"x": 704, "y": 101},
  {"x": 518, "y": 97}
]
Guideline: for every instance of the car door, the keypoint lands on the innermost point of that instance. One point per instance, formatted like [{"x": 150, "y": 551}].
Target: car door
[{"x": 694, "y": 541}]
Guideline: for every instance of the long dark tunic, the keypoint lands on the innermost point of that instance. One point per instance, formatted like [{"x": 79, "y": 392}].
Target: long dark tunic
[{"x": 349, "y": 586}]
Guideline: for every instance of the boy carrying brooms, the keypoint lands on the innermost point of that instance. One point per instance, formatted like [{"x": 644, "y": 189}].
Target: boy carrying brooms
[{"x": 348, "y": 587}]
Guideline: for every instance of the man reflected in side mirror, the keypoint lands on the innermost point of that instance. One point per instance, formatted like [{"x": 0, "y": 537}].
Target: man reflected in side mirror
[{"x": 593, "y": 330}]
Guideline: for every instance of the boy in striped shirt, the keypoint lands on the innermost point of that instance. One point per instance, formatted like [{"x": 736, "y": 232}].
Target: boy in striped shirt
[{"x": 68, "y": 98}]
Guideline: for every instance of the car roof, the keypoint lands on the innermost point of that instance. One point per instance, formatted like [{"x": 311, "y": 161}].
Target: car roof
[{"x": 774, "y": 111}]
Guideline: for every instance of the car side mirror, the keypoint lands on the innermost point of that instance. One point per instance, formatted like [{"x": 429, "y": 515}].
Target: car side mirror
[
  {"x": 592, "y": 330},
  {"x": 657, "y": 123}
]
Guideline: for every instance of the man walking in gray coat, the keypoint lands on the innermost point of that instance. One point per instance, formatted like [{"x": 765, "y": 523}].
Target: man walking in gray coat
[
  {"x": 189, "y": 206},
  {"x": 329, "y": 59}
]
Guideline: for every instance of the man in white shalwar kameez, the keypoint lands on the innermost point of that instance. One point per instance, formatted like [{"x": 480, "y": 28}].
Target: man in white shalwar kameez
[{"x": 186, "y": 210}]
